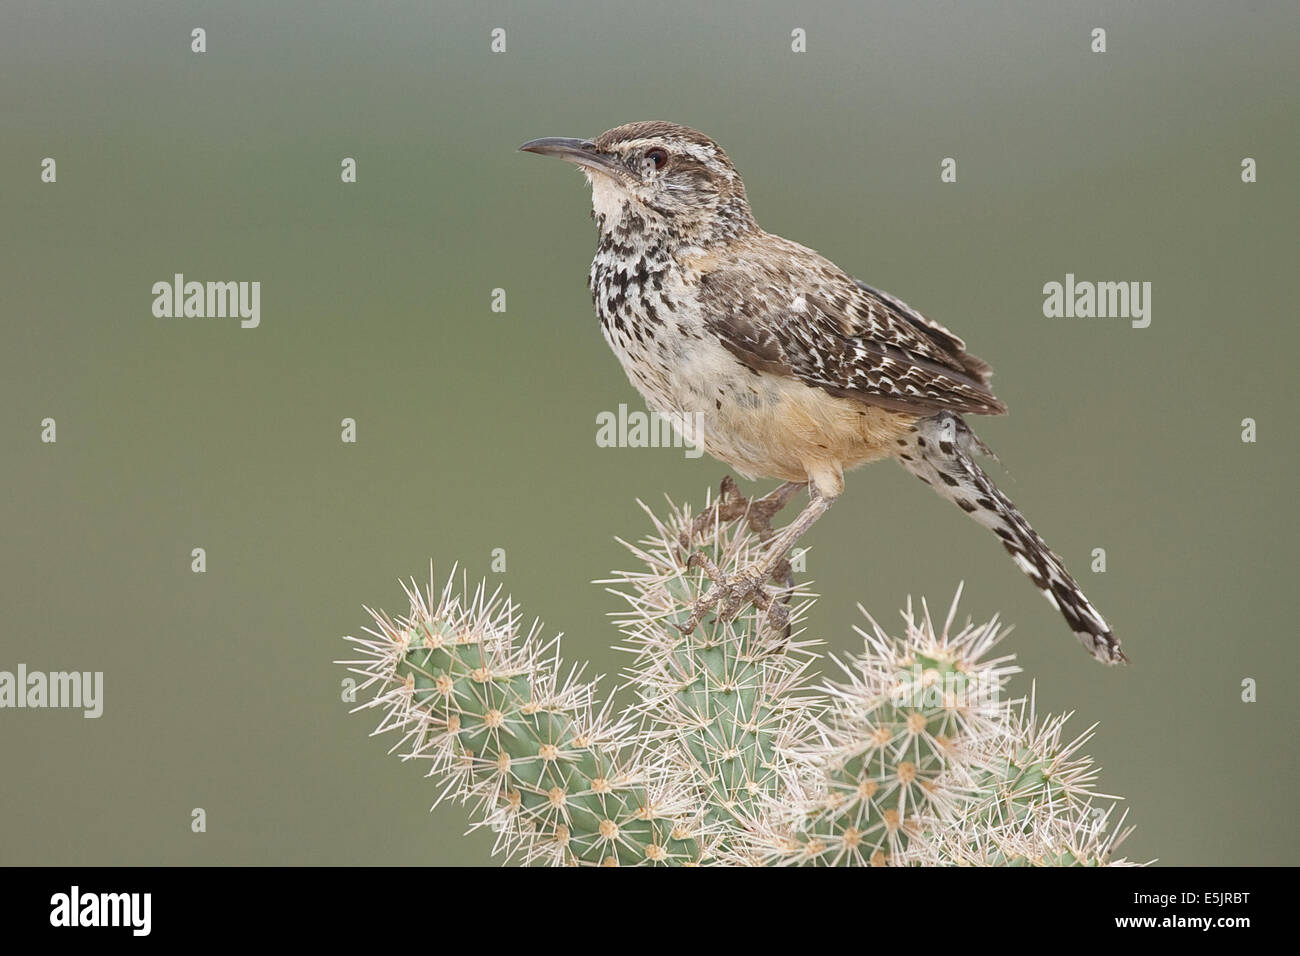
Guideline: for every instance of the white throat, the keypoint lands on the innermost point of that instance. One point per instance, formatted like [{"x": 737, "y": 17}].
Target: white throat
[{"x": 607, "y": 198}]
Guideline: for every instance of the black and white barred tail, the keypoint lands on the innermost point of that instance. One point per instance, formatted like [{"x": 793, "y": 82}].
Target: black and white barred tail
[{"x": 940, "y": 452}]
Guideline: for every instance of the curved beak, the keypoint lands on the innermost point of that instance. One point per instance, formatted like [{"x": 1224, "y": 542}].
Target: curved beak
[{"x": 581, "y": 152}]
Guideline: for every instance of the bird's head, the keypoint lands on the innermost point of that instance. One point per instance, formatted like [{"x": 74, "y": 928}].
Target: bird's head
[{"x": 673, "y": 177}]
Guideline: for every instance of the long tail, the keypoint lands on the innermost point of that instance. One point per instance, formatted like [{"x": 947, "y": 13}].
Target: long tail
[{"x": 940, "y": 453}]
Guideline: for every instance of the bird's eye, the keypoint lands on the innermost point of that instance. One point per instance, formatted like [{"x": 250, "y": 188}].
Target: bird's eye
[{"x": 657, "y": 157}]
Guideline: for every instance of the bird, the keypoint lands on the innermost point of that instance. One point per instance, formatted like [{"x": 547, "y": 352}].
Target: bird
[{"x": 783, "y": 365}]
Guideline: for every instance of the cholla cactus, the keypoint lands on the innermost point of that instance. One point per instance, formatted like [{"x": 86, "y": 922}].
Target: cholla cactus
[{"x": 727, "y": 751}]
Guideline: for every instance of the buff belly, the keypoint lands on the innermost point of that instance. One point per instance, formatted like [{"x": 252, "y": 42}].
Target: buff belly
[
  {"x": 768, "y": 426},
  {"x": 798, "y": 433}
]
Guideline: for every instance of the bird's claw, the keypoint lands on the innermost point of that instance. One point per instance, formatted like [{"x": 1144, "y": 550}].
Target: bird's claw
[
  {"x": 731, "y": 505},
  {"x": 729, "y": 594}
]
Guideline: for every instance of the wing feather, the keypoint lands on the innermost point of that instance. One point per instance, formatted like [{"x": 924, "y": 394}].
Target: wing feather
[{"x": 792, "y": 312}]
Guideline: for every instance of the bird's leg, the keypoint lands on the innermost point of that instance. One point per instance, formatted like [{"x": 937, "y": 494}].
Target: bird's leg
[
  {"x": 760, "y": 520},
  {"x": 729, "y": 593},
  {"x": 762, "y": 511},
  {"x": 730, "y": 504},
  {"x": 775, "y": 559}
]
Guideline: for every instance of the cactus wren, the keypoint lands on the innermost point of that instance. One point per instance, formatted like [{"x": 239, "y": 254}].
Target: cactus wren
[{"x": 791, "y": 368}]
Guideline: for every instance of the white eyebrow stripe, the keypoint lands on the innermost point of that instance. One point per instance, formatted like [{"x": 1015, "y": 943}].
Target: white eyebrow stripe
[{"x": 702, "y": 153}]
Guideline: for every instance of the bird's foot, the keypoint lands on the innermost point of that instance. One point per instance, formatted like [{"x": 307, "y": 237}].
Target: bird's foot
[
  {"x": 730, "y": 593},
  {"x": 730, "y": 505}
]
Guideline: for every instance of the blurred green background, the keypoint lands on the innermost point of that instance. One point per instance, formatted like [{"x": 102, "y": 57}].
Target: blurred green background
[{"x": 477, "y": 430}]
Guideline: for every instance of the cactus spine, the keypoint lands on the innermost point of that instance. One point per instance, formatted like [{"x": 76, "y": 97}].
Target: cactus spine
[{"x": 727, "y": 752}]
